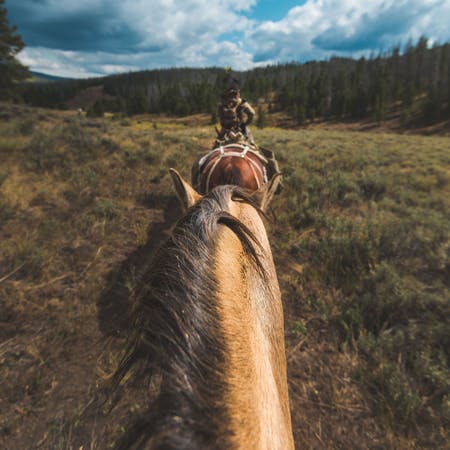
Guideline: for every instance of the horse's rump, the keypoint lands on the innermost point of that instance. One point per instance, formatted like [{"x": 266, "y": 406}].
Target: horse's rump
[{"x": 234, "y": 164}]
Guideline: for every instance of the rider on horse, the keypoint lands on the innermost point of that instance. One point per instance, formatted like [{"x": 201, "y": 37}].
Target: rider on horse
[
  {"x": 235, "y": 114},
  {"x": 234, "y": 140}
]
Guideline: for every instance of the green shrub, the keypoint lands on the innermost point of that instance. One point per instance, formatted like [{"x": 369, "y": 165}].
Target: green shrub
[
  {"x": 151, "y": 156},
  {"x": 347, "y": 250},
  {"x": 372, "y": 187},
  {"x": 299, "y": 328},
  {"x": 61, "y": 148},
  {"x": 105, "y": 208},
  {"x": 81, "y": 144},
  {"x": 43, "y": 152},
  {"x": 109, "y": 145},
  {"x": 131, "y": 156},
  {"x": 393, "y": 398}
]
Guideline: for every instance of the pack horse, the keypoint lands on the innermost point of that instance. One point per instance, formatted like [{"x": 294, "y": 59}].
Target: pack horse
[{"x": 209, "y": 330}]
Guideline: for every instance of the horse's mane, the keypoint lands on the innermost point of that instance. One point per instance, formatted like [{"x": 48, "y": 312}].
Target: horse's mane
[{"x": 177, "y": 336}]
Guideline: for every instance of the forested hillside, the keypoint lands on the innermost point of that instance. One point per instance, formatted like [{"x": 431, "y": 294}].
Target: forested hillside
[{"x": 413, "y": 82}]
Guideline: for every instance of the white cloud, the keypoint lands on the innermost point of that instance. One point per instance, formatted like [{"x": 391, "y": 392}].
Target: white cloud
[
  {"x": 160, "y": 33},
  {"x": 321, "y": 28},
  {"x": 116, "y": 68},
  {"x": 94, "y": 37},
  {"x": 57, "y": 62},
  {"x": 217, "y": 54}
]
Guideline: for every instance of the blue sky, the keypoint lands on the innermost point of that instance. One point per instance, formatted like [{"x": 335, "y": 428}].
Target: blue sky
[
  {"x": 85, "y": 38},
  {"x": 273, "y": 9}
]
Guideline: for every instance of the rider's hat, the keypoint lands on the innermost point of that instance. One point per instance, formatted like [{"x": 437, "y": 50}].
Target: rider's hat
[{"x": 231, "y": 83}]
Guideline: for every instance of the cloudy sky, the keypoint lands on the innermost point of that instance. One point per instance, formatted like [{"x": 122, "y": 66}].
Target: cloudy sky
[{"x": 81, "y": 38}]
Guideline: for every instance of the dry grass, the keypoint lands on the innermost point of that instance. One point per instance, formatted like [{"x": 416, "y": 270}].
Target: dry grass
[{"x": 360, "y": 238}]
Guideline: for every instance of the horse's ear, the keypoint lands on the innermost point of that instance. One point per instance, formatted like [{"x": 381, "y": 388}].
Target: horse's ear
[
  {"x": 263, "y": 196},
  {"x": 187, "y": 195}
]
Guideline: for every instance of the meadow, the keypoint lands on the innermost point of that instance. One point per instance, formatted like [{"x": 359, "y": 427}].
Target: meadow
[{"x": 360, "y": 236}]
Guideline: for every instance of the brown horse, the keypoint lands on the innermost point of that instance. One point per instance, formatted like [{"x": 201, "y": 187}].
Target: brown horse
[
  {"x": 209, "y": 331},
  {"x": 235, "y": 164}
]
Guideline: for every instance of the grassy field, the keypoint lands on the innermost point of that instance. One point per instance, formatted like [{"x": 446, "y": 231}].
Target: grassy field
[{"x": 360, "y": 236}]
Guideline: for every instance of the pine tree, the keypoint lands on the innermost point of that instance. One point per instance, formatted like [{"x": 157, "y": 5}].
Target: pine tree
[
  {"x": 261, "y": 121},
  {"x": 96, "y": 110},
  {"x": 11, "y": 43},
  {"x": 299, "y": 114},
  {"x": 214, "y": 118},
  {"x": 136, "y": 104}
]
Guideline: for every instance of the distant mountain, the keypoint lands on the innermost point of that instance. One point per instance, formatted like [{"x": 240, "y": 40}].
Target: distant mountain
[{"x": 38, "y": 76}]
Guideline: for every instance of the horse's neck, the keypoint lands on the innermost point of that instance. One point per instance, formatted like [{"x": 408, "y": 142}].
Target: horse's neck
[{"x": 252, "y": 322}]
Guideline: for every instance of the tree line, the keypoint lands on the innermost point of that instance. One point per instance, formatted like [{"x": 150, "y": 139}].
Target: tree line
[{"x": 413, "y": 82}]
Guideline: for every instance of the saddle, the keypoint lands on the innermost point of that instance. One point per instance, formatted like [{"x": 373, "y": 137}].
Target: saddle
[{"x": 206, "y": 166}]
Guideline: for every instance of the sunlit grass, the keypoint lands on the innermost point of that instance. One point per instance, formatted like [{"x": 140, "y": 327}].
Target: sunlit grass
[
  {"x": 360, "y": 236},
  {"x": 378, "y": 208}
]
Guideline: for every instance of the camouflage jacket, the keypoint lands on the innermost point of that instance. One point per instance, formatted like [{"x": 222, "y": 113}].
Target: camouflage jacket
[{"x": 234, "y": 113}]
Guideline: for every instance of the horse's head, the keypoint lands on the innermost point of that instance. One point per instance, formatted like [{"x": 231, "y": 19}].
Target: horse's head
[
  {"x": 208, "y": 330},
  {"x": 188, "y": 196}
]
